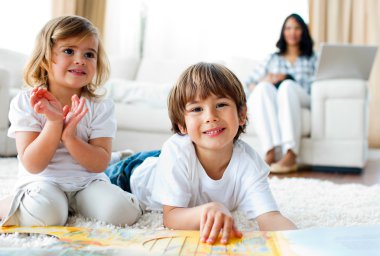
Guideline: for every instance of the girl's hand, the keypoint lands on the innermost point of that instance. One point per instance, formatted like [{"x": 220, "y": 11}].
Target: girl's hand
[
  {"x": 216, "y": 219},
  {"x": 43, "y": 102},
  {"x": 77, "y": 112}
]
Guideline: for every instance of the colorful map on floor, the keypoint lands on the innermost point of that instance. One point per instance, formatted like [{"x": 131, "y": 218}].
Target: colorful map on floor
[{"x": 105, "y": 241}]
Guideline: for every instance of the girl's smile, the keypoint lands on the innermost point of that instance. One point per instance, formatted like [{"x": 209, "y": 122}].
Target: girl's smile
[{"x": 78, "y": 72}]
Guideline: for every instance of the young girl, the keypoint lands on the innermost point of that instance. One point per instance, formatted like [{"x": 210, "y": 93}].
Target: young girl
[
  {"x": 64, "y": 132},
  {"x": 204, "y": 171}
]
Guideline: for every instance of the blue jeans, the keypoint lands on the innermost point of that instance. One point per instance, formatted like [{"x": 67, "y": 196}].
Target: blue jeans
[{"x": 120, "y": 173}]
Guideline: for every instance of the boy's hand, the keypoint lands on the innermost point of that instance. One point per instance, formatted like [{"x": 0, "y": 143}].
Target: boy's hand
[
  {"x": 77, "y": 112},
  {"x": 216, "y": 219},
  {"x": 43, "y": 102}
]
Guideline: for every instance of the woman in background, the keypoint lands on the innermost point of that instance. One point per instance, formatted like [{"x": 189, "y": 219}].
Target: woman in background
[{"x": 279, "y": 88}]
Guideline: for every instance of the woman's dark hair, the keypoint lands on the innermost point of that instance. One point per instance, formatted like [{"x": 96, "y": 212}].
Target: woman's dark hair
[{"x": 306, "y": 43}]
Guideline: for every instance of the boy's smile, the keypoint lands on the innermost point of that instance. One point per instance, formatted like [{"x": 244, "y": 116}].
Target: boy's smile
[
  {"x": 212, "y": 123},
  {"x": 214, "y": 132}
]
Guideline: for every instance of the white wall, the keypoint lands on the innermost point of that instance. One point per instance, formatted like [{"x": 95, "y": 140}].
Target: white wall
[
  {"x": 207, "y": 29},
  {"x": 20, "y": 22},
  {"x": 123, "y": 28},
  {"x": 216, "y": 28}
]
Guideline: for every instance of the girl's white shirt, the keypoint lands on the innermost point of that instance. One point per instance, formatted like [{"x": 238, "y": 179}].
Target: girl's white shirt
[{"x": 63, "y": 169}]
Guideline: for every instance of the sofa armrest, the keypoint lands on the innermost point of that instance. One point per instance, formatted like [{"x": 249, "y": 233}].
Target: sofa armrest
[
  {"x": 4, "y": 98},
  {"x": 339, "y": 110}
]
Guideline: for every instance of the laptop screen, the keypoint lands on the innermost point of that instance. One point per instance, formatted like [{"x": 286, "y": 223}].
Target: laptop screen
[{"x": 340, "y": 61}]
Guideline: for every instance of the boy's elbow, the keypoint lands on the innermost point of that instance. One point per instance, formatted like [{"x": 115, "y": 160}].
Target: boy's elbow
[
  {"x": 169, "y": 216},
  {"x": 166, "y": 221},
  {"x": 274, "y": 221}
]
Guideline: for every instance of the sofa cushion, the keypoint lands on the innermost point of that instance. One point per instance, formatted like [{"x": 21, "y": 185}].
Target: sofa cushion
[
  {"x": 142, "y": 118},
  {"x": 124, "y": 68},
  {"x": 139, "y": 93}
]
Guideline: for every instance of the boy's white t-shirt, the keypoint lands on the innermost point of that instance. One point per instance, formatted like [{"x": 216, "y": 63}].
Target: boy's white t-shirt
[
  {"x": 63, "y": 169},
  {"x": 177, "y": 178}
]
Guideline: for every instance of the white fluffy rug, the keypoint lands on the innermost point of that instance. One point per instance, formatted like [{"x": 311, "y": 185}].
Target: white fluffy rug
[{"x": 307, "y": 202}]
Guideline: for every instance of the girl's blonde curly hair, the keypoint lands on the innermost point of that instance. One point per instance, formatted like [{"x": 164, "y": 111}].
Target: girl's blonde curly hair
[{"x": 36, "y": 70}]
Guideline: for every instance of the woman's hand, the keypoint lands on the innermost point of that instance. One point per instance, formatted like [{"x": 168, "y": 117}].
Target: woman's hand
[
  {"x": 274, "y": 78},
  {"x": 216, "y": 219},
  {"x": 77, "y": 112},
  {"x": 251, "y": 87}
]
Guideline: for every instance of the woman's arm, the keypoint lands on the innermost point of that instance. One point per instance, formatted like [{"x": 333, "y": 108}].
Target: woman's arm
[
  {"x": 263, "y": 72},
  {"x": 259, "y": 73},
  {"x": 274, "y": 78},
  {"x": 272, "y": 221}
]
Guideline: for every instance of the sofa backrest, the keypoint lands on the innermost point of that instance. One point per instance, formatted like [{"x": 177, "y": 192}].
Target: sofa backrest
[
  {"x": 124, "y": 68},
  {"x": 14, "y": 63},
  {"x": 161, "y": 71},
  {"x": 167, "y": 71},
  {"x": 242, "y": 67}
]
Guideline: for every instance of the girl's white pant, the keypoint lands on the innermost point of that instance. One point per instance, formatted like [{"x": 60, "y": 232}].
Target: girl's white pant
[
  {"x": 45, "y": 204},
  {"x": 276, "y": 114}
]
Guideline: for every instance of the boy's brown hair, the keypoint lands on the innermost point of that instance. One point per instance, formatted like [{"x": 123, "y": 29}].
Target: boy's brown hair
[
  {"x": 201, "y": 80},
  {"x": 36, "y": 71}
]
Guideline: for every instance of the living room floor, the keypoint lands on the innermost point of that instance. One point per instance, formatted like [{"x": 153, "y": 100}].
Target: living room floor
[{"x": 370, "y": 175}]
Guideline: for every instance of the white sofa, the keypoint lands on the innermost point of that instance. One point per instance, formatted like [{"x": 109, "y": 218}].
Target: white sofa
[
  {"x": 11, "y": 68},
  {"x": 334, "y": 131}
]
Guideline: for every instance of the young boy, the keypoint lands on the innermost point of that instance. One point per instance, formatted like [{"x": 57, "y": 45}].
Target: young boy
[{"x": 204, "y": 171}]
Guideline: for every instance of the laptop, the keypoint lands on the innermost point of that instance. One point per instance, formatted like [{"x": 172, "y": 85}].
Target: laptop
[{"x": 345, "y": 61}]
